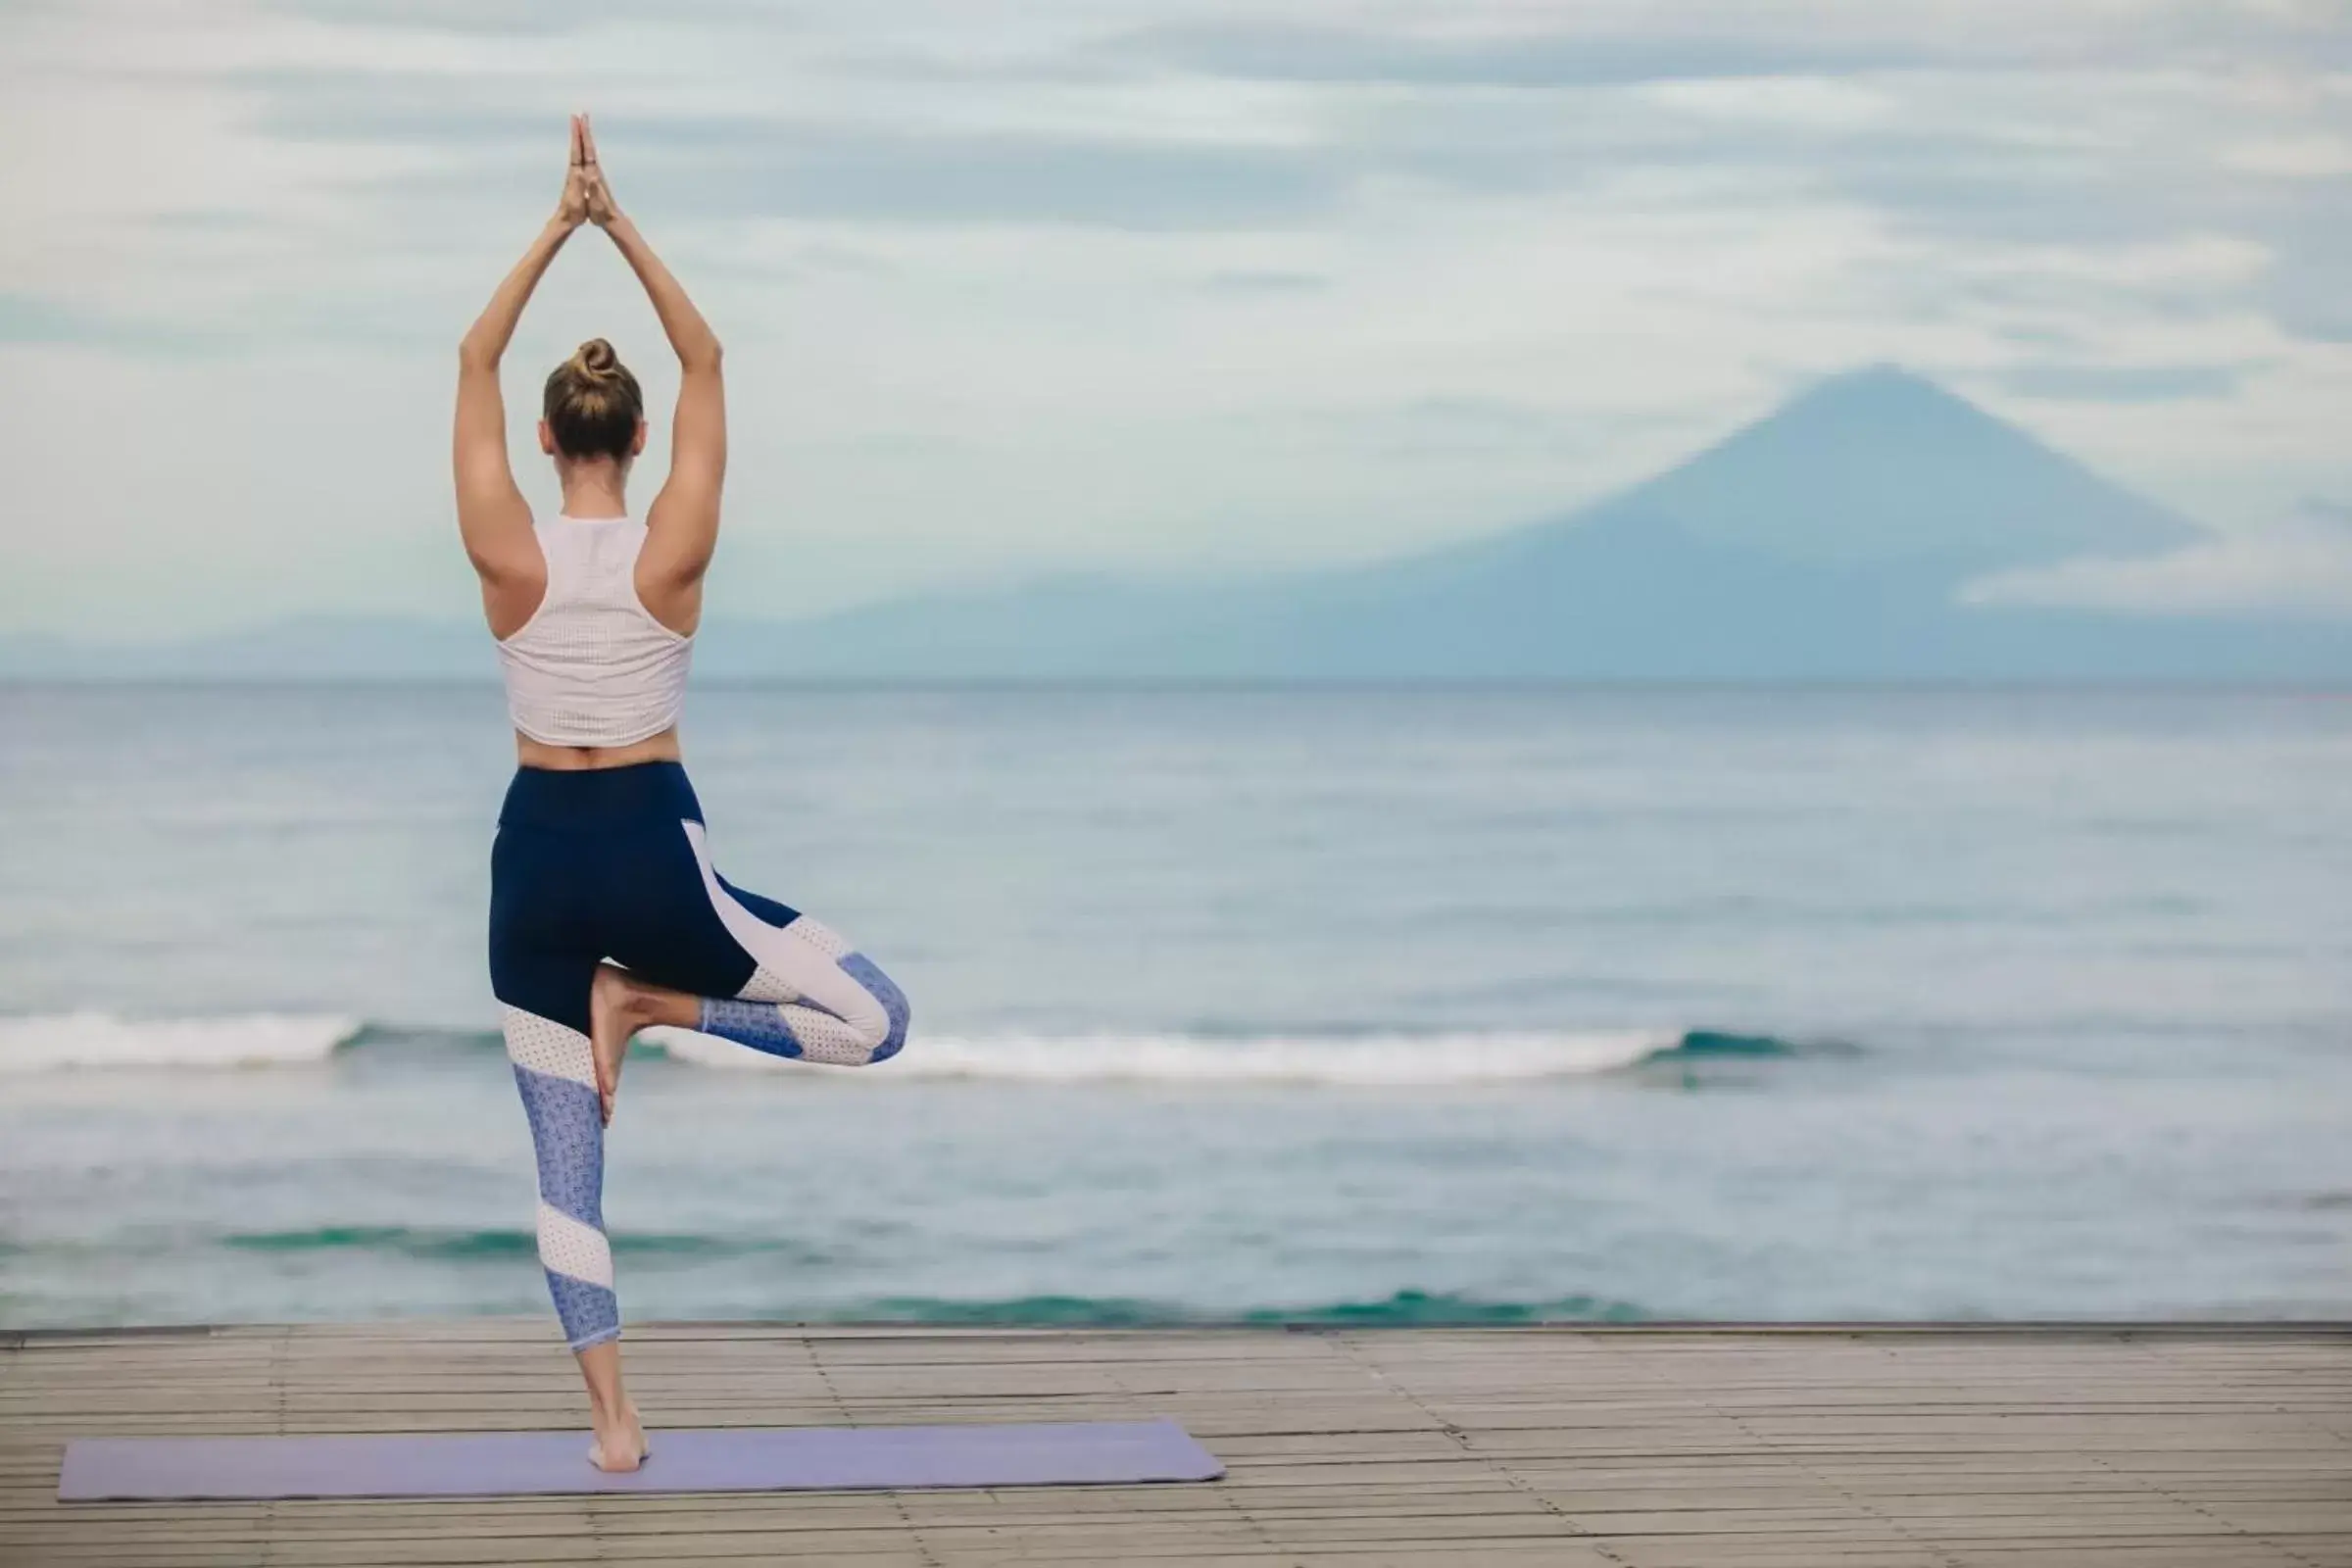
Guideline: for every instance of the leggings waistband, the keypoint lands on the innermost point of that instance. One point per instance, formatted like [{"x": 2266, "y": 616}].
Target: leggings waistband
[{"x": 543, "y": 797}]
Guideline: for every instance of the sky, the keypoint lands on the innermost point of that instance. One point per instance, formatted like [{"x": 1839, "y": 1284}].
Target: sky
[{"x": 1142, "y": 285}]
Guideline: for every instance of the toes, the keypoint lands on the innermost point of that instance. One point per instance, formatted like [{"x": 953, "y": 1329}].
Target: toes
[{"x": 607, "y": 1086}]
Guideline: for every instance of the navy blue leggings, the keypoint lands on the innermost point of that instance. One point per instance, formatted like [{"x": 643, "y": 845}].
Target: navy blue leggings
[{"x": 613, "y": 865}]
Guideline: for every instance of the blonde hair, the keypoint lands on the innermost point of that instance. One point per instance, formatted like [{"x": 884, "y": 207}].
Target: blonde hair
[{"x": 592, "y": 405}]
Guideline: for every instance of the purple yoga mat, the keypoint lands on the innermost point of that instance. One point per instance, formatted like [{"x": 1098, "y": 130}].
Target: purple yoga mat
[{"x": 487, "y": 1464}]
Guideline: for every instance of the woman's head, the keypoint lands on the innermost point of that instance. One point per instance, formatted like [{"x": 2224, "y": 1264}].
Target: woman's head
[{"x": 592, "y": 407}]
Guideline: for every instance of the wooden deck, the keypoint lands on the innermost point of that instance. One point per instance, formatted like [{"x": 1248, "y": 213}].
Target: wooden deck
[{"x": 1645, "y": 1447}]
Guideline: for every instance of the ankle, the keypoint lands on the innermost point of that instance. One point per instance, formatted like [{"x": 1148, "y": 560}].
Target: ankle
[
  {"x": 649, "y": 1006},
  {"x": 621, "y": 996}
]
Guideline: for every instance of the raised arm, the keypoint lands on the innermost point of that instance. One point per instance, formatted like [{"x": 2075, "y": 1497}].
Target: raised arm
[
  {"x": 493, "y": 518},
  {"x": 682, "y": 524}
]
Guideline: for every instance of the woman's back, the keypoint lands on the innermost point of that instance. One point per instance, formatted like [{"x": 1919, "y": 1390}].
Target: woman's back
[{"x": 592, "y": 667}]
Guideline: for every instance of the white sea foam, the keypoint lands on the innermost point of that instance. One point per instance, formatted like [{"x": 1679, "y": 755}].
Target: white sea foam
[
  {"x": 98, "y": 1040},
  {"x": 93, "y": 1041},
  {"x": 1393, "y": 1061}
]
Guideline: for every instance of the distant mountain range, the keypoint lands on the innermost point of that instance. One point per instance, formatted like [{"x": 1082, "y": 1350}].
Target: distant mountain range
[{"x": 1829, "y": 541}]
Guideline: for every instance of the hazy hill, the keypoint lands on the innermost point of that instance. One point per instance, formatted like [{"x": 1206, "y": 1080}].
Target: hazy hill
[
  {"x": 1828, "y": 541},
  {"x": 1880, "y": 465}
]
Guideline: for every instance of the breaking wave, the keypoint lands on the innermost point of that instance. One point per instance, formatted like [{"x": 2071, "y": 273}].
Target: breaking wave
[
  {"x": 93, "y": 1040},
  {"x": 57, "y": 1041},
  {"x": 1375, "y": 1061}
]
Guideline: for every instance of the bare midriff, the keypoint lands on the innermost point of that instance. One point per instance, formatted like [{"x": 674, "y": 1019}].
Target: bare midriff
[{"x": 661, "y": 748}]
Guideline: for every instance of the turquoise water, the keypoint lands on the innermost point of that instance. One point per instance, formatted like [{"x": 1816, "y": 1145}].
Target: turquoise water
[{"x": 1247, "y": 1005}]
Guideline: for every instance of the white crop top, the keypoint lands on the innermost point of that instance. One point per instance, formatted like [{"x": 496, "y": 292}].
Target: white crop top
[{"x": 592, "y": 667}]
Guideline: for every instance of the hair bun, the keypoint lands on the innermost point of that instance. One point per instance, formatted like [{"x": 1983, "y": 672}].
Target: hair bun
[
  {"x": 597, "y": 361},
  {"x": 593, "y": 405}
]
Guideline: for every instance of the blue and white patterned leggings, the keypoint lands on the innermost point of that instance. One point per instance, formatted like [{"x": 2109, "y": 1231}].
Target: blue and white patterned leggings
[{"x": 612, "y": 863}]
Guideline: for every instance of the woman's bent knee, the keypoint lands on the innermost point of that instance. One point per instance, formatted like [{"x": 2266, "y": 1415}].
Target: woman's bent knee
[{"x": 889, "y": 1038}]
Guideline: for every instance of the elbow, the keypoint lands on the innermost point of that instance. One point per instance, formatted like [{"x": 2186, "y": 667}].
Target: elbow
[
  {"x": 703, "y": 356},
  {"x": 475, "y": 356}
]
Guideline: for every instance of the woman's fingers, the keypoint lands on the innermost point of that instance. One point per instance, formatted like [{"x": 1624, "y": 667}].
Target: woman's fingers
[
  {"x": 583, "y": 183},
  {"x": 601, "y": 209}
]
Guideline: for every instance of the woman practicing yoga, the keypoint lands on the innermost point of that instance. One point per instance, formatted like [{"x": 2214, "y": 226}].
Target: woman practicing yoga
[{"x": 605, "y": 912}]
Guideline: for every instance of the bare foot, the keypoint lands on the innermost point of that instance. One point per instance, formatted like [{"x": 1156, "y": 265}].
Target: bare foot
[
  {"x": 619, "y": 1445},
  {"x": 615, "y": 1012}
]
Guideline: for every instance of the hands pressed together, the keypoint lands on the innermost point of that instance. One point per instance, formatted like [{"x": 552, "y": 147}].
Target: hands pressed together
[{"x": 586, "y": 198}]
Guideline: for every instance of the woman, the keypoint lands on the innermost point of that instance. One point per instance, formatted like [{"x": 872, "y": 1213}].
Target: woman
[{"x": 606, "y": 912}]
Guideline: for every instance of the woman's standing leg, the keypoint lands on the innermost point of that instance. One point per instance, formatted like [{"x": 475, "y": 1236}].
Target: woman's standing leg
[
  {"x": 543, "y": 977},
  {"x": 555, "y": 1072}
]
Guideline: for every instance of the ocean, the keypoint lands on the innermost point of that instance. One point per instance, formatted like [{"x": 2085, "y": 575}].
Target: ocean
[{"x": 1279, "y": 1005}]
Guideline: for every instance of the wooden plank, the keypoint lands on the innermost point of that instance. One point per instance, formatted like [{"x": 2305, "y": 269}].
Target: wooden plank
[{"x": 2216, "y": 1446}]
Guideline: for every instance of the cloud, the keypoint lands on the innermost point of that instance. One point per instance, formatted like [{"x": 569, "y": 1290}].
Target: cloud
[
  {"x": 2302, "y": 566},
  {"x": 2005, "y": 145},
  {"x": 2050, "y": 127},
  {"x": 2309, "y": 289},
  {"x": 1014, "y": 286},
  {"x": 25, "y": 319},
  {"x": 817, "y": 173},
  {"x": 528, "y": 19},
  {"x": 1334, "y": 55},
  {"x": 2069, "y": 381},
  {"x": 795, "y": 164},
  {"x": 1265, "y": 280},
  {"x": 1606, "y": 43},
  {"x": 29, "y": 319}
]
